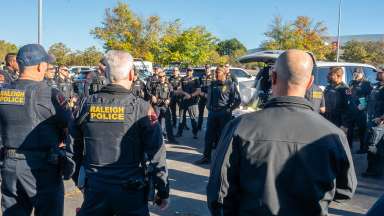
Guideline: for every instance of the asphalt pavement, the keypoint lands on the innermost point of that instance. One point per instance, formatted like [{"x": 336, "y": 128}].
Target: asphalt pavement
[{"x": 188, "y": 184}]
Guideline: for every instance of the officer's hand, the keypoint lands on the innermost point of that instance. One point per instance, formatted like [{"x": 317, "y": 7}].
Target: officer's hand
[
  {"x": 154, "y": 99},
  {"x": 187, "y": 96},
  {"x": 344, "y": 129},
  {"x": 167, "y": 102},
  {"x": 378, "y": 121},
  {"x": 162, "y": 203},
  {"x": 360, "y": 107}
]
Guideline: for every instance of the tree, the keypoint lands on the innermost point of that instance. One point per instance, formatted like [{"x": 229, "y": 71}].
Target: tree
[
  {"x": 124, "y": 30},
  {"x": 364, "y": 52},
  {"x": 228, "y": 47},
  {"x": 303, "y": 34},
  {"x": 91, "y": 56},
  {"x": 60, "y": 51},
  {"x": 6, "y": 47}
]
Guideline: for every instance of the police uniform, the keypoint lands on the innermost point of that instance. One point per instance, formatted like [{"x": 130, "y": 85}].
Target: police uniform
[
  {"x": 9, "y": 75},
  {"x": 360, "y": 91},
  {"x": 116, "y": 137},
  {"x": 205, "y": 83},
  {"x": 189, "y": 85},
  {"x": 337, "y": 100},
  {"x": 97, "y": 82},
  {"x": 139, "y": 90},
  {"x": 282, "y": 160},
  {"x": 33, "y": 118},
  {"x": 222, "y": 98},
  {"x": 175, "y": 82},
  {"x": 151, "y": 83},
  {"x": 51, "y": 83},
  {"x": 316, "y": 97},
  {"x": 162, "y": 94},
  {"x": 375, "y": 109},
  {"x": 66, "y": 87}
]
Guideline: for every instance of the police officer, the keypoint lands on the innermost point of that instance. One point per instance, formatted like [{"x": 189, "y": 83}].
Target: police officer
[
  {"x": 191, "y": 90},
  {"x": 152, "y": 82},
  {"x": 337, "y": 99},
  {"x": 117, "y": 136},
  {"x": 316, "y": 96},
  {"x": 161, "y": 104},
  {"x": 175, "y": 82},
  {"x": 360, "y": 90},
  {"x": 50, "y": 75},
  {"x": 284, "y": 159},
  {"x": 205, "y": 81},
  {"x": 375, "y": 111},
  {"x": 11, "y": 69},
  {"x": 223, "y": 97},
  {"x": 66, "y": 86},
  {"x": 138, "y": 88},
  {"x": 97, "y": 78},
  {"x": 34, "y": 119}
]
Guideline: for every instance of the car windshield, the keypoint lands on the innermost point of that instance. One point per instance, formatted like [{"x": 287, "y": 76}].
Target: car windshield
[
  {"x": 320, "y": 74},
  {"x": 239, "y": 73}
]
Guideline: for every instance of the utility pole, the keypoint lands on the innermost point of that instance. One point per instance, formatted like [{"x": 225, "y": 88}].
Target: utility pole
[
  {"x": 338, "y": 33},
  {"x": 40, "y": 21}
]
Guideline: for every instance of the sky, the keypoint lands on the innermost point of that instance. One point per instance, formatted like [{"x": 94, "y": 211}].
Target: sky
[{"x": 70, "y": 21}]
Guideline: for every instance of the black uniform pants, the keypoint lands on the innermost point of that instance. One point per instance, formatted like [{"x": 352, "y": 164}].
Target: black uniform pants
[
  {"x": 31, "y": 184},
  {"x": 360, "y": 121},
  {"x": 102, "y": 199},
  {"x": 164, "y": 113},
  {"x": 173, "y": 106},
  {"x": 191, "y": 109},
  {"x": 215, "y": 123},
  {"x": 201, "y": 105}
]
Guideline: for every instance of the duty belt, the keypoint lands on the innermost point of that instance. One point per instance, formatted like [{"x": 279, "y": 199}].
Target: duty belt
[{"x": 22, "y": 155}]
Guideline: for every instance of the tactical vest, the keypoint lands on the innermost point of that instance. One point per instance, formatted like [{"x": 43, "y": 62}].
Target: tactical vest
[
  {"x": 66, "y": 88},
  {"x": 27, "y": 118},
  {"x": 138, "y": 88},
  {"x": 206, "y": 82},
  {"x": 97, "y": 83},
  {"x": 111, "y": 130},
  {"x": 175, "y": 82},
  {"x": 218, "y": 95}
]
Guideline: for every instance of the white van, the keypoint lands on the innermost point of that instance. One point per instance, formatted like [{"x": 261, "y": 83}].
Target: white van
[{"x": 321, "y": 69}]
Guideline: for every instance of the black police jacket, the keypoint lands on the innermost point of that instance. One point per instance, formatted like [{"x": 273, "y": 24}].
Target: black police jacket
[
  {"x": 360, "y": 90},
  {"x": 283, "y": 160},
  {"x": 175, "y": 82},
  {"x": 316, "y": 97},
  {"x": 33, "y": 116},
  {"x": 9, "y": 76},
  {"x": 205, "y": 83},
  {"x": 162, "y": 93},
  {"x": 376, "y": 102},
  {"x": 222, "y": 96},
  {"x": 117, "y": 129},
  {"x": 139, "y": 89},
  {"x": 337, "y": 104},
  {"x": 190, "y": 85},
  {"x": 66, "y": 87}
]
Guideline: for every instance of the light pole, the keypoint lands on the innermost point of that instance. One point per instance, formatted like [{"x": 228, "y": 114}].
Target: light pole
[
  {"x": 40, "y": 21},
  {"x": 338, "y": 33}
]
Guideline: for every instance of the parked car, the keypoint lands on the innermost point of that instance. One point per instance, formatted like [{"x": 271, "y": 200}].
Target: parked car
[{"x": 320, "y": 72}]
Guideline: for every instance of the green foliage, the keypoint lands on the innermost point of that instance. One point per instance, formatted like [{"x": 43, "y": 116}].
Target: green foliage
[
  {"x": 152, "y": 40},
  {"x": 64, "y": 56},
  {"x": 302, "y": 34},
  {"x": 60, "y": 51},
  {"x": 229, "y": 47},
  {"x": 6, "y": 47},
  {"x": 364, "y": 52}
]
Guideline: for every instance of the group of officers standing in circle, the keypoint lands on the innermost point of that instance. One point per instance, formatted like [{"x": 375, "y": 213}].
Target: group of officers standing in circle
[
  {"x": 108, "y": 136},
  {"x": 106, "y": 129}
]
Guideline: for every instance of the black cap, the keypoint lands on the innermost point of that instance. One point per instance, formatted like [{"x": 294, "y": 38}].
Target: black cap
[{"x": 33, "y": 54}]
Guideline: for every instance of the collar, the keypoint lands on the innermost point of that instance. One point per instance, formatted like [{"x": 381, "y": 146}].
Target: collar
[
  {"x": 289, "y": 101},
  {"x": 114, "y": 88}
]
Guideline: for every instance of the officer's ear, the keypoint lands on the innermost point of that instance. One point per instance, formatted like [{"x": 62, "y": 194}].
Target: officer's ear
[
  {"x": 310, "y": 83},
  {"x": 42, "y": 67},
  {"x": 131, "y": 75},
  {"x": 274, "y": 77}
]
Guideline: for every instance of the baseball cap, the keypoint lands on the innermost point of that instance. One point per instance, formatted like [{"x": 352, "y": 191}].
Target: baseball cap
[{"x": 33, "y": 54}]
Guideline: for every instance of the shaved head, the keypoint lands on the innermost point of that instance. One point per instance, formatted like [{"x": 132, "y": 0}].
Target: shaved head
[{"x": 293, "y": 72}]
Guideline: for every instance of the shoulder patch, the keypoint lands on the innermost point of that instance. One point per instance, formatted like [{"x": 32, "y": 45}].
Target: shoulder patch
[
  {"x": 348, "y": 92},
  {"x": 12, "y": 97}
]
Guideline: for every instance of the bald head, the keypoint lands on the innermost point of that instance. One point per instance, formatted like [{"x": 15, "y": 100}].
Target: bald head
[{"x": 293, "y": 72}]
